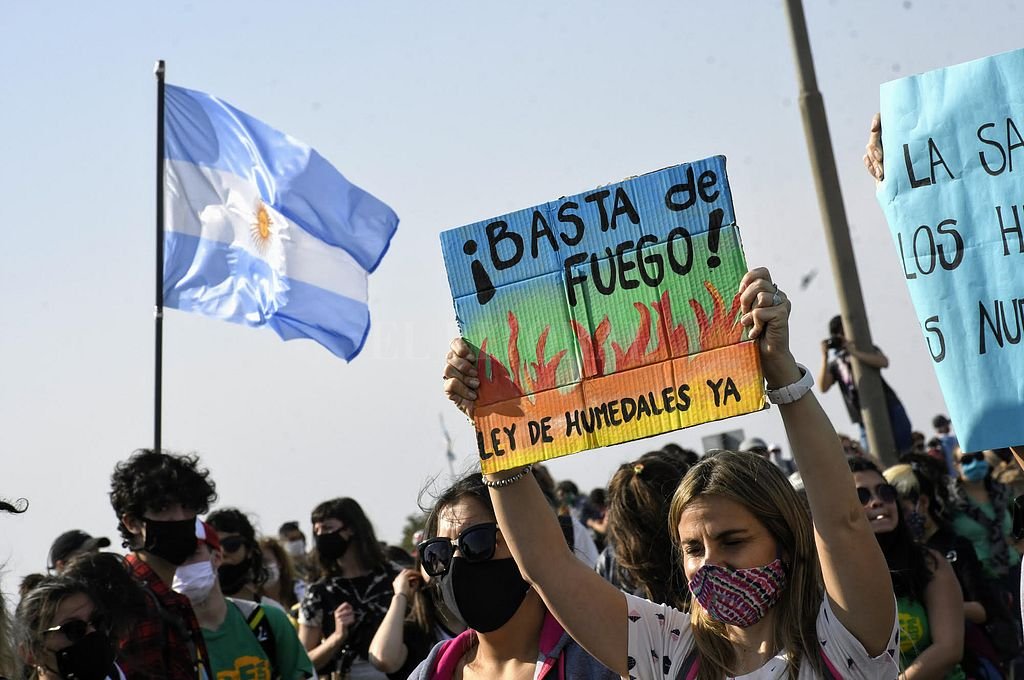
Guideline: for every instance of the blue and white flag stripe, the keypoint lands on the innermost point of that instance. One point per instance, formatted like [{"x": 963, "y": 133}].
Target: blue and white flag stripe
[
  {"x": 229, "y": 216},
  {"x": 260, "y": 230}
]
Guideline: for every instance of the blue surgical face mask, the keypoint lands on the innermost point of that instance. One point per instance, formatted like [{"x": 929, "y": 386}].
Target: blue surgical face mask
[{"x": 975, "y": 471}]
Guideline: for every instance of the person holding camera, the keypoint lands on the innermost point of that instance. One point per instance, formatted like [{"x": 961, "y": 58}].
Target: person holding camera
[{"x": 837, "y": 369}]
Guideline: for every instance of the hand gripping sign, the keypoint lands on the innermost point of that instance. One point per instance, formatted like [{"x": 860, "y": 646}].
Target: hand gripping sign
[
  {"x": 606, "y": 316},
  {"x": 954, "y": 198}
]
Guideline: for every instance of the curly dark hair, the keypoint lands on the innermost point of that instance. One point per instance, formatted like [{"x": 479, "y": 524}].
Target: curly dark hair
[
  {"x": 150, "y": 480},
  {"x": 234, "y": 521},
  {"x": 910, "y": 563},
  {"x": 364, "y": 539}
]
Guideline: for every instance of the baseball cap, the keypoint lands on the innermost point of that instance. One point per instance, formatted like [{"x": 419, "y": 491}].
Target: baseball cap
[
  {"x": 752, "y": 443},
  {"x": 207, "y": 534},
  {"x": 74, "y": 541}
]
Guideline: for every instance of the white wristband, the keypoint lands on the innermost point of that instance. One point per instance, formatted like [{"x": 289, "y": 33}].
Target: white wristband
[{"x": 790, "y": 393}]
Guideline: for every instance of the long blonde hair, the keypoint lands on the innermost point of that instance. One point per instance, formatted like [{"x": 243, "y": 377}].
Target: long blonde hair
[{"x": 760, "y": 487}]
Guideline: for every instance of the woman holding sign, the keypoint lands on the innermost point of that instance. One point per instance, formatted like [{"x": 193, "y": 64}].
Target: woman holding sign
[{"x": 775, "y": 596}]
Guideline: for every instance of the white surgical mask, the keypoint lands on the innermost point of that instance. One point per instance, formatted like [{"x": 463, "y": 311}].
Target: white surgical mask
[
  {"x": 194, "y": 581},
  {"x": 273, "y": 573},
  {"x": 296, "y": 548}
]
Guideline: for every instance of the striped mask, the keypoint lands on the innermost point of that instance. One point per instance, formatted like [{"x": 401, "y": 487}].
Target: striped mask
[{"x": 739, "y": 597}]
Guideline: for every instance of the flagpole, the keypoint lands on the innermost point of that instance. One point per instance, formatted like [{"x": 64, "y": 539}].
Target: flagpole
[{"x": 158, "y": 315}]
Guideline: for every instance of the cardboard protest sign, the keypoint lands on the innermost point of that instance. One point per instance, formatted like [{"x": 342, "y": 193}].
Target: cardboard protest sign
[
  {"x": 606, "y": 316},
  {"x": 954, "y": 198}
]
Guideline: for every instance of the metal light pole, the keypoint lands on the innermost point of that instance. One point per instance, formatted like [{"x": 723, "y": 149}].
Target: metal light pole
[{"x": 837, "y": 235}]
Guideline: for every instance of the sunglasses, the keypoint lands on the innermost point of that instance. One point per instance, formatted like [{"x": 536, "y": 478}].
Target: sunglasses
[
  {"x": 232, "y": 543},
  {"x": 76, "y": 629},
  {"x": 883, "y": 492},
  {"x": 476, "y": 544},
  {"x": 969, "y": 458}
]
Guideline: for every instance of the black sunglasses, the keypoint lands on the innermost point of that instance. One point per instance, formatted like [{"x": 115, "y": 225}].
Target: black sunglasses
[
  {"x": 476, "y": 544},
  {"x": 968, "y": 458},
  {"x": 232, "y": 543},
  {"x": 76, "y": 629},
  {"x": 885, "y": 493}
]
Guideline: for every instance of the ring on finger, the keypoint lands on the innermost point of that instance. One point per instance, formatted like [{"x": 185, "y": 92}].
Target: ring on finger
[{"x": 776, "y": 299}]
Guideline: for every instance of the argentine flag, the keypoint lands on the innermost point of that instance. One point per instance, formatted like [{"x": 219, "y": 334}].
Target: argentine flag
[{"x": 261, "y": 230}]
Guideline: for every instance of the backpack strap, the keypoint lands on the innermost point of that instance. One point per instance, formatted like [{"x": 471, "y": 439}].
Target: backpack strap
[
  {"x": 449, "y": 653},
  {"x": 261, "y": 629},
  {"x": 830, "y": 670},
  {"x": 690, "y": 667}
]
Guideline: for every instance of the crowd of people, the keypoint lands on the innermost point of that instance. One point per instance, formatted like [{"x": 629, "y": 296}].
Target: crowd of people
[
  {"x": 754, "y": 565},
  {"x": 745, "y": 564}
]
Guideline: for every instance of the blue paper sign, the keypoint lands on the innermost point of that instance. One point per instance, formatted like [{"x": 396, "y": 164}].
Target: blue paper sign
[{"x": 954, "y": 198}]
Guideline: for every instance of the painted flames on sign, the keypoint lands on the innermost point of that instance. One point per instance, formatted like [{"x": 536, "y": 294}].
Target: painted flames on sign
[{"x": 521, "y": 378}]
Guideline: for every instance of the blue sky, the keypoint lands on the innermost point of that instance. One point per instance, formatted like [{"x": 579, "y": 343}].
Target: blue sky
[{"x": 451, "y": 113}]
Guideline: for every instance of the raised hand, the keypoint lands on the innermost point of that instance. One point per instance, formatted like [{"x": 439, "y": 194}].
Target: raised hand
[
  {"x": 460, "y": 376},
  {"x": 873, "y": 151},
  {"x": 766, "y": 314}
]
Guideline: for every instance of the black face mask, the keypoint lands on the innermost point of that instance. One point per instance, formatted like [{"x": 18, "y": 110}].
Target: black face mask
[
  {"x": 233, "y": 577},
  {"x": 916, "y": 524},
  {"x": 91, "y": 658},
  {"x": 174, "y": 541},
  {"x": 332, "y": 546},
  {"x": 483, "y": 595}
]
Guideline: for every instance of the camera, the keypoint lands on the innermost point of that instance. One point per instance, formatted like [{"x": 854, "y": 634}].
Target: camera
[{"x": 834, "y": 342}]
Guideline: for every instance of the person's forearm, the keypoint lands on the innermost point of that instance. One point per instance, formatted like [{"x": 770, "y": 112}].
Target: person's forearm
[
  {"x": 530, "y": 528},
  {"x": 824, "y": 376},
  {"x": 320, "y": 655},
  {"x": 853, "y": 568},
  {"x": 934, "y": 663},
  {"x": 387, "y": 649},
  {"x": 590, "y": 609},
  {"x": 819, "y": 457},
  {"x": 872, "y": 359}
]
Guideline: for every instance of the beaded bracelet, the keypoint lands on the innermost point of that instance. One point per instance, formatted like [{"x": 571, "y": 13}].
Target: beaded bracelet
[{"x": 508, "y": 481}]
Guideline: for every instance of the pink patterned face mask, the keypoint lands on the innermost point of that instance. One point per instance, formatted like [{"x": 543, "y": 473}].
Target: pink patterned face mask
[{"x": 738, "y": 597}]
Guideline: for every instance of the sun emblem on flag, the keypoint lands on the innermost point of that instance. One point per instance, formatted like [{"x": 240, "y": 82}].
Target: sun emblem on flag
[{"x": 262, "y": 231}]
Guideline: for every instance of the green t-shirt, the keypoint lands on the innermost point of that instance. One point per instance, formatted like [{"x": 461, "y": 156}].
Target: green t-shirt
[
  {"x": 916, "y": 634},
  {"x": 236, "y": 654}
]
